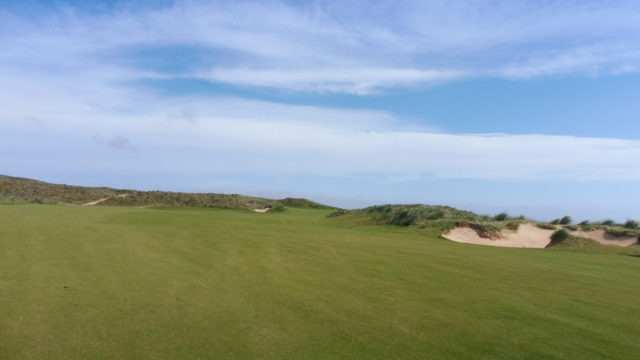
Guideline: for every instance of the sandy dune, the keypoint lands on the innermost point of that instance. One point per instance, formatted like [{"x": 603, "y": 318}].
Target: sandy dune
[
  {"x": 527, "y": 236},
  {"x": 607, "y": 239},
  {"x": 530, "y": 236}
]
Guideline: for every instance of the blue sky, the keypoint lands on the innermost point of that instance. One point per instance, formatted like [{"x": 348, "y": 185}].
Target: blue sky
[{"x": 525, "y": 106}]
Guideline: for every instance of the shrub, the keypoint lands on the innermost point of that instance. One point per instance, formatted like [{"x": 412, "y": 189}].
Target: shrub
[
  {"x": 546, "y": 226},
  {"x": 632, "y": 224},
  {"x": 566, "y": 220},
  {"x": 512, "y": 225},
  {"x": 621, "y": 232},
  {"x": 584, "y": 223},
  {"x": 278, "y": 208},
  {"x": 559, "y": 236},
  {"x": 487, "y": 231},
  {"x": 587, "y": 227},
  {"x": 571, "y": 227},
  {"x": 608, "y": 222},
  {"x": 403, "y": 218},
  {"x": 338, "y": 213},
  {"x": 501, "y": 217},
  {"x": 554, "y": 222},
  {"x": 435, "y": 214}
]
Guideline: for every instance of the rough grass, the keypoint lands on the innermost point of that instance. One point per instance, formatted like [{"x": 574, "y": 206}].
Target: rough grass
[
  {"x": 621, "y": 231},
  {"x": 14, "y": 189},
  {"x": 418, "y": 214},
  {"x": 484, "y": 230},
  {"x": 303, "y": 203},
  {"x": 165, "y": 198},
  {"x": 558, "y": 237},
  {"x": 21, "y": 190},
  {"x": 513, "y": 225},
  {"x": 183, "y": 283},
  {"x": 585, "y": 245},
  {"x": 546, "y": 226}
]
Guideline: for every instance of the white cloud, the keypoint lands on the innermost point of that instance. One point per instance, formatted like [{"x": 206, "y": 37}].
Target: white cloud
[
  {"x": 353, "y": 47},
  {"x": 70, "y": 94},
  {"x": 65, "y": 80},
  {"x": 229, "y": 136},
  {"x": 355, "y": 81}
]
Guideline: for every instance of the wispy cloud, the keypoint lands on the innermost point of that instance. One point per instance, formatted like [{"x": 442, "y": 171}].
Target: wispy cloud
[
  {"x": 355, "y": 81},
  {"x": 330, "y": 47},
  {"x": 227, "y": 136},
  {"x": 78, "y": 68}
]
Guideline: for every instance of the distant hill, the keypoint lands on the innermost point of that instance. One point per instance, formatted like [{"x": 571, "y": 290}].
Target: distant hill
[
  {"x": 411, "y": 214},
  {"x": 438, "y": 218},
  {"x": 16, "y": 189},
  {"x": 303, "y": 203}
]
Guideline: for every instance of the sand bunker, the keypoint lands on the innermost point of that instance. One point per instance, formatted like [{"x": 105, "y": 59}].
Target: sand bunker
[
  {"x": 530, "y": 236},
  {"x": 603, "y": 237},
  {"x": 527, "y": 236},
  {"x": 263, "y": 210}
]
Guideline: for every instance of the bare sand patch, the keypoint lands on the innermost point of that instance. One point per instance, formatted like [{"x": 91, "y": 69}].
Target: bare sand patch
[
  {"x": 96, "y": 202},
  {"x": 527, "y": 236},
  {"x": 605, "y": 238}
]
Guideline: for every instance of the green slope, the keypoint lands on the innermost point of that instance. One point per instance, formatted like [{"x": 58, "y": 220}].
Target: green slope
[
  {"x": 15, "y": 189},
  {"x": 303, "y": 203},
  {"x": 186, "y": 283}
]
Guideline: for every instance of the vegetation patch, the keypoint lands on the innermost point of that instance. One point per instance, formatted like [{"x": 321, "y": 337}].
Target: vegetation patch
[
  {"x": 621, "y": 232},
  {"x": 566, "y": 220},
  {"x": 632, "y": 224},
  {"x": 21, "y": 190},
  {"x": 302, "y": 203},
  {"x": 546, "y": 226},
  {"x": 404, "y": 217},
  {"x": 484, "y": 230},
  {"x": 501, "y": 216},
  {"x": 587, "y": 227},
  {"x": 558, "y": 237},
  {"x": 513, "y": 225},
  {"x": 421, "y": 215}
]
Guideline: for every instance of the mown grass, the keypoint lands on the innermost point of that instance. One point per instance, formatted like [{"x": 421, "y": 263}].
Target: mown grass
[{"x": 128, "y": 283}]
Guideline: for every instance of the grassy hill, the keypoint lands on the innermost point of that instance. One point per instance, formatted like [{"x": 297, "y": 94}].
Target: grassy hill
[
  {"x": 186, "y": 283},
  {"x": 405, "y": 215},
  {"x": 303, "y": 203},
  {"x": 437, "y": 218},
  {"x": 15, "y": 189}
]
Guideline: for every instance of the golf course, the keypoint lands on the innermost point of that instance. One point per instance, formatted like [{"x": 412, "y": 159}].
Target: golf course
[
  {"x": 115, "y": 282},
  {"x": 319, "y": 180}
]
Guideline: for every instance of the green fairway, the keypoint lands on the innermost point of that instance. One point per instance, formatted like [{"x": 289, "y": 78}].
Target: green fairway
[{"x": 184, "y": 283}]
